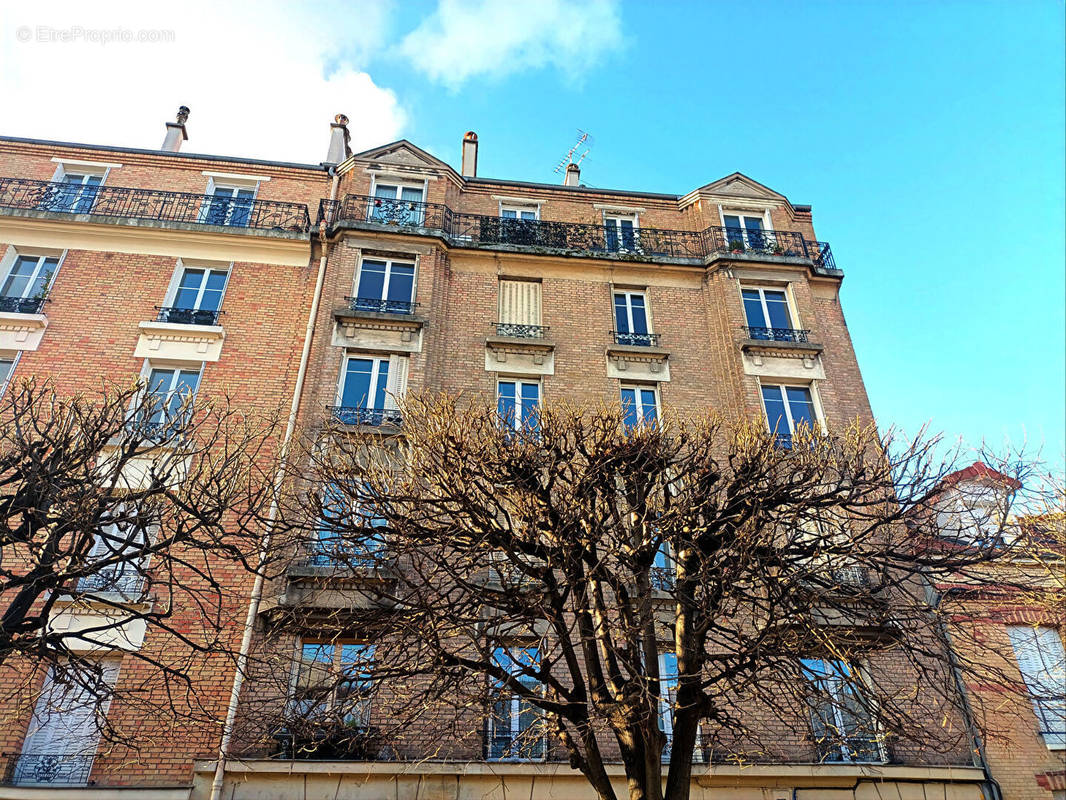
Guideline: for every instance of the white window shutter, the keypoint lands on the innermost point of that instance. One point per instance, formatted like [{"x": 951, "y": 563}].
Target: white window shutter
[
  {"x": 520, "y": 302},
  {"x": 396, "y": 387}
]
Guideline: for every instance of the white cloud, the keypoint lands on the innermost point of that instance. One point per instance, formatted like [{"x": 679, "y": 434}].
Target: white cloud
[
  {"x": 262, "y": 79},
  {"x": 468, "y": 38}
]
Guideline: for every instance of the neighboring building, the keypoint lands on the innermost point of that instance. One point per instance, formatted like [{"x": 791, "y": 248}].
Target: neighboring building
[
  {"x": 203, "y": 270},
  {"x": 1023, "y": 726}
]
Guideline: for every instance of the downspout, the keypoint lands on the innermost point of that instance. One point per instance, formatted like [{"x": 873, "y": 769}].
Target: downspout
[
  {"x": 264, "y": 546},
  {"x": 976, "y": 743}
]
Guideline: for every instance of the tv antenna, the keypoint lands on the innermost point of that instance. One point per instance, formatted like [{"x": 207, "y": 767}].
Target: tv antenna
[{"x": 583, "y": 140}]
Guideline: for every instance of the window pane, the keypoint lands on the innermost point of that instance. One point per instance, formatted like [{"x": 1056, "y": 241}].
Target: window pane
[
  {"x": 19, "y": 277},
  {"x": 356, "y": 391},
  {"x": 212, "y": 296},
  {"x": 191, "y": 281},
  {"x": 752, "y": 224},
  {"x": 629, "y": 407},
  {"x": 530, "y": 401},
  {"x": 621, "y": 313},
  {"x": 801, "y": 406},
  {"x": 753, "y": 312},
  {"x": 640, "y": 314},
  {"x": 383, "y": 382},
  {"x": 372, "y": 280},
  {"x": 385, "y": 190},
  {"x": 528, "y": 215},
  {"x": 506, "y": 402},
  {"x": 411, "y": 194},
  {"x": 509, "y": 213},
  {"x": 777, "y": 306},
  {"x": 402, "y": 282},
  {"x": 647, "y": 401},
  {"x": 775, "y": 410}
]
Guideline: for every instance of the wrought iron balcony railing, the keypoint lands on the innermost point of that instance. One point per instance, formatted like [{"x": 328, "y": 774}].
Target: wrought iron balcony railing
[
  {"x": 126, "y": 582},
  {"x": 636, "y": 339},
  {"x": 778, "y": 334},
  {"x": 520, "y": 331},
  {"x": 354, "y": 415},
  {"x": 21, "y": 305},
  {"x": 49, "y": 769},
  {"x": 381, "y": 306},
  {"x": 383, "y": 211},
  {"x": 154, "y": 204},
  {"x": 580, "y": 238},
  {"x": 187, "y": 316}
]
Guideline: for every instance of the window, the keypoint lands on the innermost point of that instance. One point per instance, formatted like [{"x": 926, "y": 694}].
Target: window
[
  {"x": 621, "y": 232},
  {"x": 198, "y": 297},
  {"x": 787, "y": 407},
  {"x": 517, "y": 402},
  {"x": 27, "y": 283},
  {"x": 72, "y": 192},
  {"x": 370, "y": 388},
  {"x": 519, "y": 308},
  {"x": 842, "y": 726},
  {"x": 743, "y": 231},
  {"x": 397, "y": 203},
  {"x": 515, "y": 729},
  {"x": 6, "y": 366},
  {"x": 385, "y": 285},
  {"x": 767, "y": 314},
  {"x": 169, "y": 392},
  {"x": 663, "y": 569},
  {"x": 522, "y": 213},
  {"x": 640, "y": 405},
  {"x": 119, "y": 550},
  {"x": 64, "y": 731},
  {"x": 631, "y": 323},
  {"x": 228, "y": 205},
  {"x": 1042, "y": 663},
  {"x": 334, "y": 683},
  {"x": 339, "y": 540}
]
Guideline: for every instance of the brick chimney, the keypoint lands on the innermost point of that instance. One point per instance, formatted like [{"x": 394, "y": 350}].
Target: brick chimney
[
  {"x": 573, "y": 175},
  {"x": 469, "y": 166},
  {"x": 176, "y": 133},
  {"x": 338, "y": 140}
]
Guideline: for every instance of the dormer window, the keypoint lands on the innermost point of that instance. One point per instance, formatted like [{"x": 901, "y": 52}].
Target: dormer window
[
  {"x": 621, "y": 232},
  {"x": 74, "y": 188},
  {"x": 397, "y": 203},
  {"x": 744, "y": 231}
]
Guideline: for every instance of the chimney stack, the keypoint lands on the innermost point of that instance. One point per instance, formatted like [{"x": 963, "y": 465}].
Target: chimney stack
[
  {"x": 469, "y": 166},
  {"x": 338, "y": 140},
  {"x": 176, "y": 133},
  {"x": 573, "y": 175}
]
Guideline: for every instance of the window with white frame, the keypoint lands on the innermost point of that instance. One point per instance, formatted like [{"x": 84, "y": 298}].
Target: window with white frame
[
  {"x": 347, "y": 532},
  {"x": 169, "y": 392},
  {"x": 640, "y": 405},
  {"x": 7, "y": 365},
  {"x": 370, "y": 388},
  {"x": 663, "y": 568},
  {"x": 1042, "y": 662},
  {"x": 632, "y": 324},
  {"x": 788, "y": 408},
  {"x": 27, "y": 282},
  {"x": 668, "y": 681},
  {"x": 518, "y": 403},
  {"x": 228, "y": 204},
  {"x": 766, "y": 310},
  {"x": 197, "y": 296},
  {"x": 621, "y": 232},
  {"x": 73, "y": 190},
  {"x": 841, "y": 722},
  {"x": 333, "y": 684},
  {"x": 520, "y": 213},
  {"x": 397, "y": 202},
  {"x": 64, "y": 731},
  {"x": 744, "y": 230},
  {"x": 385, "y": 285},
  {"x": 118, "y": 554},
  {"x": 516, "y": 726}
]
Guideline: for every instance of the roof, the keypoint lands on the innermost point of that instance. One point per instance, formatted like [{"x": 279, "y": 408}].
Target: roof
[{"x": 976, "y": 471}]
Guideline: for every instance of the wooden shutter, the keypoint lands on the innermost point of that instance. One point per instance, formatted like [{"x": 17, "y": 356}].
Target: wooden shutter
[
  {"x": 396, "y": 387},
  {"x": 520, "y": 302},
  {"x": 65, "y": 718}
]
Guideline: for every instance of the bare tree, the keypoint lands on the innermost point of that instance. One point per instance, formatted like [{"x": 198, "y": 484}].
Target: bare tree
[
  {"x": 654, "y": 595},
  {"x": 128, "y": 521}
]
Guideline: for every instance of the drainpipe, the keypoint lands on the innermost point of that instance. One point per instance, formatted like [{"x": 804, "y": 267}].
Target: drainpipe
[{"x": 264, "y": 546}]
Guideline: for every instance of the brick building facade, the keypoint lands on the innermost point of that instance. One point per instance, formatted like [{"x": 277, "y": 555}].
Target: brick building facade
[{"x": 347, "y": 283}]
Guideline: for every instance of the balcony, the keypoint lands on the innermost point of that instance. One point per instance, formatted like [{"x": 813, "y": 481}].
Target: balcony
[
  {"x": 187, "y": 316},
  {"x": 118, "y": 579},
  {"x": 571, "y": 238},
  {"x": 49, "y": 769},
  {"x": 21, "y": 305},
  {"x": 514, "y": 330},
  {"x": 794, "y": 335},
  {"x": 155, "y": 205},
  {"x": 381, "y": 306},
  {"x": 635, "y": 339},
  {"x": 354, "y": 415}
]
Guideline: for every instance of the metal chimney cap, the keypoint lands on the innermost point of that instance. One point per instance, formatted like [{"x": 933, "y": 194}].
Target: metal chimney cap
[
  {"x": 341, "y": 119},
  {"x": 183, "y": 114}
]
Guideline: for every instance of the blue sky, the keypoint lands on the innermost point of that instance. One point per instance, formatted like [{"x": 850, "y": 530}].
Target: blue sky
[{"x": 927, "y": 136}]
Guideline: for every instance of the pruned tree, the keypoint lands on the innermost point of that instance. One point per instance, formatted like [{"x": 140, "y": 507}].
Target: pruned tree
[
  {"x": 656, "y": 595},
  {"x": 127, "y": 520}
]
